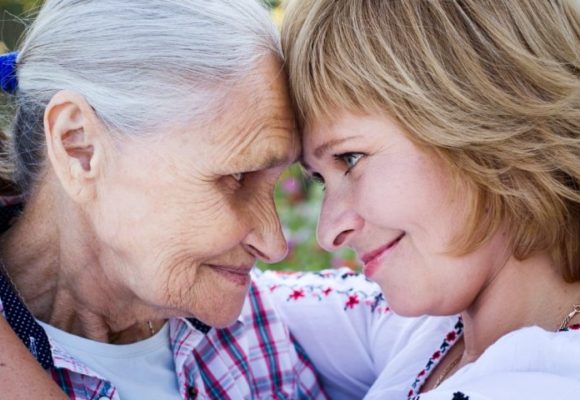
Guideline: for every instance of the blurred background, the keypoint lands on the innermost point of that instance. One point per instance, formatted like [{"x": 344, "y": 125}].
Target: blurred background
[{"x": 297, "y": 199}]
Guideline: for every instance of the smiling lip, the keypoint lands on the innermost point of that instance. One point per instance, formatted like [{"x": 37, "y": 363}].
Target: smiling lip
[
  {"x": 371, "y": 260},
  {"x": 239, "y": 275}
]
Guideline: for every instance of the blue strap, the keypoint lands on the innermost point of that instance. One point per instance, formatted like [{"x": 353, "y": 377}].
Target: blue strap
[
  {"x": 8, "y": 79},
  {"x": 24, "y": 324},
  {"x": 200, "y": 326}
]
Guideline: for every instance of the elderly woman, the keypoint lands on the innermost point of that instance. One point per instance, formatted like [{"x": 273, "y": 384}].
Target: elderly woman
[
  {"x": 147, "y": 199},
  {"x": 446, "y": 134}
]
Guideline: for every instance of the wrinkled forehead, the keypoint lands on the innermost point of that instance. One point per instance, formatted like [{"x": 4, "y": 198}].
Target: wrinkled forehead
[{"x": 256, "y": 119}]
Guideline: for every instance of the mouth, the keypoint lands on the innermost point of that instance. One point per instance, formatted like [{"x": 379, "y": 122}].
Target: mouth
[
  {"x": 372, "y": 259},
  {"x": 240, "y": 275}
]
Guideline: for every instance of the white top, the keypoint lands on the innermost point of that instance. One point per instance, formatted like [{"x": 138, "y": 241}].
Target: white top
[
  {"x": 529, "y": 363},
  {"x": 345, "y": 326},
  {"x": 363, "y": 350},
  {"x": 142, "y": 370}
]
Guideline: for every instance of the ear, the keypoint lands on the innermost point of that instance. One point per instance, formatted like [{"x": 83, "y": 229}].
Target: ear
[{"x": 76, "y": 142}]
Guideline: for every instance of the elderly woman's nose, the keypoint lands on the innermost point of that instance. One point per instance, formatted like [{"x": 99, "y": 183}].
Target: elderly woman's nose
[
  {"x": 337, "y": 224},
  {"x": 266, "y": 240}
]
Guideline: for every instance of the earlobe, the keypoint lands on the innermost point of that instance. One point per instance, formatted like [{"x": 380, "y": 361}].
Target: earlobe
[{"x": 73, "y": 141}]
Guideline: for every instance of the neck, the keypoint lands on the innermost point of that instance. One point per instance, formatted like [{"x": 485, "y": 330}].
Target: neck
[
  {"x": 522, "y": 293},
  {"x": 55, "y": 262}
]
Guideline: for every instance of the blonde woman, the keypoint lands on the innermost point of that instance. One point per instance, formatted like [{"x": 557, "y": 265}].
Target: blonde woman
[
  {"x": 447, "y": 137},
  {"x": 445, "y": 133}
]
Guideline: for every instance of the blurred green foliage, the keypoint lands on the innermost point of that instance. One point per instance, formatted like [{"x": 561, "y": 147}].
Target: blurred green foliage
[
  {"x": 272, "y": 3},
  {"x": 297, "y": 199},
  {"x": 11, "y": 14}
]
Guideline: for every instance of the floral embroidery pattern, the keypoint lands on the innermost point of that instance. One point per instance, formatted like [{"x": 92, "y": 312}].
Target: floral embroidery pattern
[
  {"x": 352, "y": 301},
  {"x": 450, "y": 339},
  {"x": 296, "y": 294},
  {"x": 352, "y": 298}
]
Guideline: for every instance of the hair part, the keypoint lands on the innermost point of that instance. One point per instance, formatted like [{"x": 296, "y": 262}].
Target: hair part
[
  {"x": 490, "y": 86},
  {"x": 141, "y": 66}
]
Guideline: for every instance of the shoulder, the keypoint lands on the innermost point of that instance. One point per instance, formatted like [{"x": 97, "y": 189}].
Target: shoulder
[{"x": 536, "y": 350}]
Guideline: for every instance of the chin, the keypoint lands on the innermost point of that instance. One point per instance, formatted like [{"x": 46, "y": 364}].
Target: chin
[
  {"x": 408, "y": 306},
  {"x": 222, "y": 314}
]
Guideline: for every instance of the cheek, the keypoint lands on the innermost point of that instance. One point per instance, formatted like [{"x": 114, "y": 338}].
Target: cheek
[
  {"x": 148, "y": 228},
  {"x": 384, "y": 195},
  {"x": 436, "y": 283}
]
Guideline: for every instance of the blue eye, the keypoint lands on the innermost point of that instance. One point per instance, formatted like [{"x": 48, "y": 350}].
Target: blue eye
[{"x": 350, "y": 160}]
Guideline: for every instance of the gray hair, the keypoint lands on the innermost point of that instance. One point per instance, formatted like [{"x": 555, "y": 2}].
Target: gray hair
[{"x": 138, "y": 63}]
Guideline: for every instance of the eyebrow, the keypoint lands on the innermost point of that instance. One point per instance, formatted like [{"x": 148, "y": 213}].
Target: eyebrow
[
  {"x": 327, "y": 146},
  {"x": 279, "y": 160},
  {"x": 276, "y": 161}
]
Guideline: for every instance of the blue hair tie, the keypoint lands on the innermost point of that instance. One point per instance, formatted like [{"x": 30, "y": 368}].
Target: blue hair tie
[{"x": 8, "y": 79}]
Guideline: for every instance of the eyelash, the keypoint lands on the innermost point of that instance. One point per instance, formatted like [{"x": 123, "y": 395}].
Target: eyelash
[
  {"x": 239, "y": 177},
  {"x": 343, "y": 159},
  {"x": 317, "y": 178}
]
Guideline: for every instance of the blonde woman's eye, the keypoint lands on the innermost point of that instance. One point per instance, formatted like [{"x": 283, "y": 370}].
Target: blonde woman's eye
[{"x": 350, "y": 160}]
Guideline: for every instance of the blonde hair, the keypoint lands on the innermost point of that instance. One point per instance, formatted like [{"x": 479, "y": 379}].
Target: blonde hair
[{"x": 490, "y": 86}]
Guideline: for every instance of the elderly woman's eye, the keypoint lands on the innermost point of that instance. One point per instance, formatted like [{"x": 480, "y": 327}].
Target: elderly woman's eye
[
  {"x": 350, "y": 160},
  {"x": 239, "y": 176}
]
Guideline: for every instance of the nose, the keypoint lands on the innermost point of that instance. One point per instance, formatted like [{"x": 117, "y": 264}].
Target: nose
[
  {"x": 265, "y": 240},
  {"x": 337, "y": 224}
]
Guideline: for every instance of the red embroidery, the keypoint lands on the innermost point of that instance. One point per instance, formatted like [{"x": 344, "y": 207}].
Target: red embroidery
[
  {"x": 448, "y": 342},
  {"x": 352, "y": 301},
  {"x": 296, "y": 294}
]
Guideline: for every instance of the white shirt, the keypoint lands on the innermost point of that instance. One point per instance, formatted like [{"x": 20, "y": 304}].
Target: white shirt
[
  {"x": 529, "y": 363},
  {"x": 351, "y": 336},
  {"x": 142, "y": 370},
  {"x": 361, "y": 349}
]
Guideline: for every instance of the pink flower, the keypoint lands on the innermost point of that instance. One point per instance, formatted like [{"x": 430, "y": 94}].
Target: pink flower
[{"x": 290, "y": 185}]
